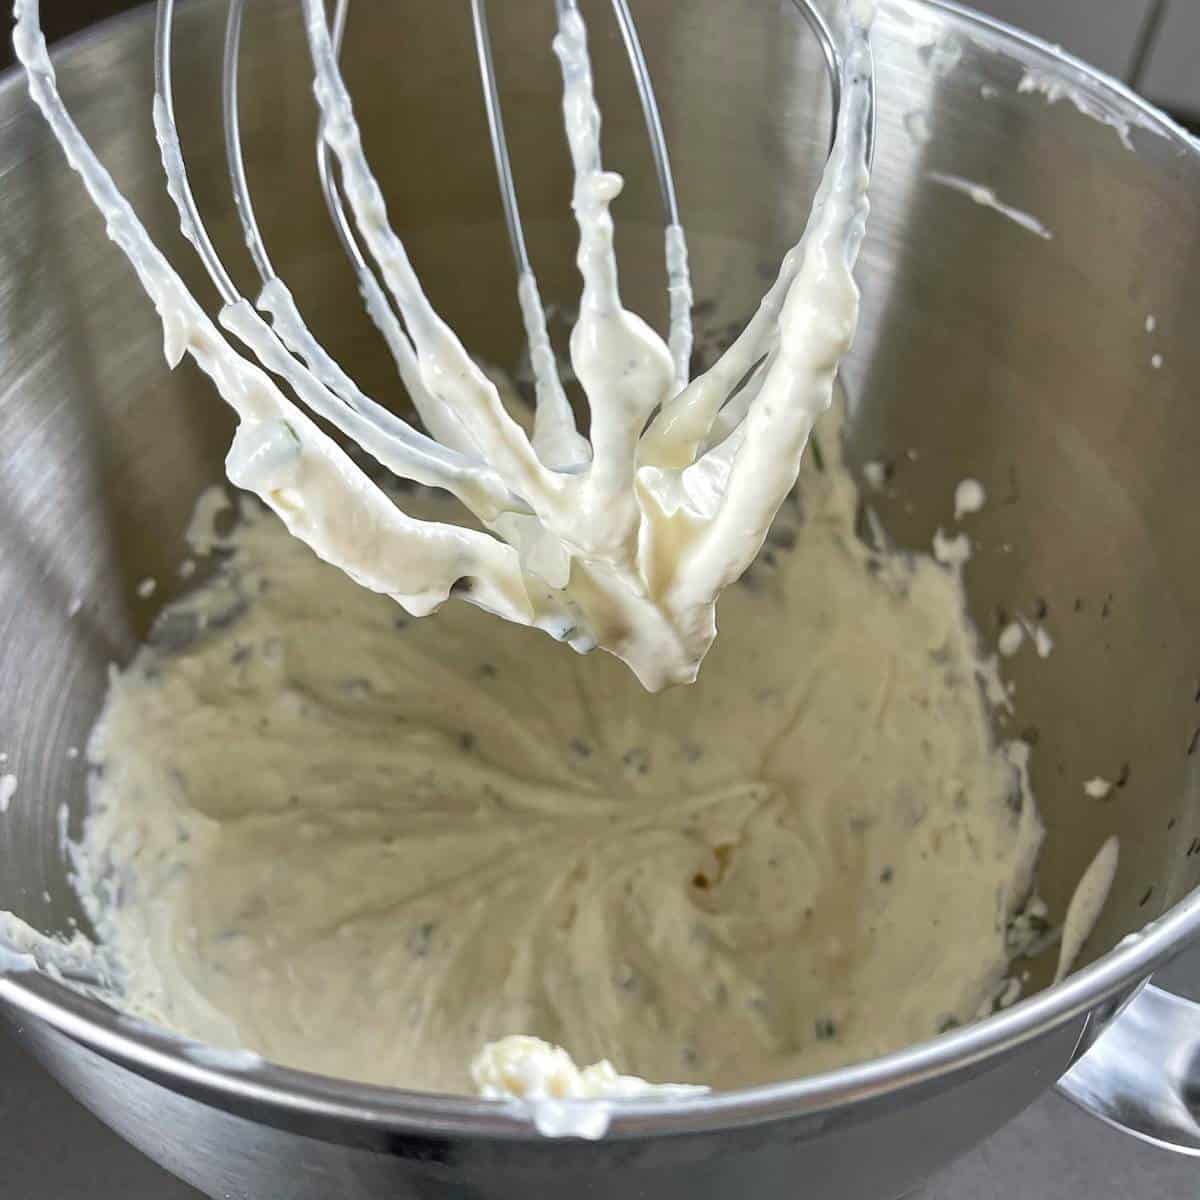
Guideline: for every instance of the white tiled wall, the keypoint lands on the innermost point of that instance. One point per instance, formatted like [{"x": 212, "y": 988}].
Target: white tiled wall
[
  {"x": 1104, "y": 32},
  {"x": 1107, "y": 32},
  {"x": 1172, "y": 76}
]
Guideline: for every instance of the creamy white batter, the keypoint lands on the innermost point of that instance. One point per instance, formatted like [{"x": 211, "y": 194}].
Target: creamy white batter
[
  {"x": 542, "y": 1076},
  {"x": 368, "y": 846},
  {"x": 1087, "y": 901},
  {"x": 987, "y": 198}
]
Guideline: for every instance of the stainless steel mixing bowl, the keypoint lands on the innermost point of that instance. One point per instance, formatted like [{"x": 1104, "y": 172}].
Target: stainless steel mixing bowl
[{"x": 985, "y": 350}]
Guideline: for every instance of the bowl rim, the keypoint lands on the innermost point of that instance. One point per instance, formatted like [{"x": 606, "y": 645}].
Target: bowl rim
[{"x": 158, "y": 1053}]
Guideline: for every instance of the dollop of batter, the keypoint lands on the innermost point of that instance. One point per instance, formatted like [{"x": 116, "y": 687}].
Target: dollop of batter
[
  {"x": 542, "y": 1076},
  {"x": 367, "y": 846},
  {"x": 527, "y": 1068}
]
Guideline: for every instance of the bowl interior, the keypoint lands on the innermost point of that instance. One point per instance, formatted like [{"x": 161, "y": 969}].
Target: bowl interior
[{"x": 985, "y": 350}]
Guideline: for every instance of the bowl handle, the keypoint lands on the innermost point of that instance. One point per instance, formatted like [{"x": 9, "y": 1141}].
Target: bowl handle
[{"x": 1142, "y": 1075}]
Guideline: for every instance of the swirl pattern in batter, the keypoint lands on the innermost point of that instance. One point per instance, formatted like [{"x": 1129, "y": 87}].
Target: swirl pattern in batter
[{"x": 366, "y": 845}]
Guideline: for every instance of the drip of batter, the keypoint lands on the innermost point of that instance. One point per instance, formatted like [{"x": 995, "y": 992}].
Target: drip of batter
[
  {"x": 370, "y": 854},
  {"x": 623, "y": 540}
]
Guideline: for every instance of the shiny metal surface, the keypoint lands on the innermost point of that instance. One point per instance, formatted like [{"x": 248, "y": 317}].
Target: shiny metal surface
[
  {"x": 984, "y": 350},
  {"x": 1052, "y": 1151},
  {"x": 1143, "y": 1074}
]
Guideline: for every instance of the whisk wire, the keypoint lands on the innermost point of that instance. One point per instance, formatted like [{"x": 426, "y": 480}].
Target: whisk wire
[
  {"x": 679, "y": 284},
  {"x": 231, "y": 122},
  {"x": 168, "y": 139},
  {"x": 556, "y": 439},
  {"x": 555, "y": 436},
  {"x": 289, "y": 350},
  {"x": 495, "y": 120},
  {"x": 450, "y": 455},
  {"x": 579, "y": 537}
]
